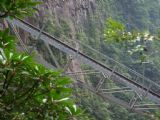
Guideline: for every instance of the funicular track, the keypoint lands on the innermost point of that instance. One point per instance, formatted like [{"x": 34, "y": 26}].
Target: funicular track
[{"x": 144, "y": 86}]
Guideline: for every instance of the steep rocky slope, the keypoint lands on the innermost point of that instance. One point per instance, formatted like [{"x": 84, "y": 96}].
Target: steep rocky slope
[{"x": 65, "y": 18}]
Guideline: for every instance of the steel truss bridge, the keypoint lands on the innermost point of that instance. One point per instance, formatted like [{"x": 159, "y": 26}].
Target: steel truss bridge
[{"x": 144, "y": 93}]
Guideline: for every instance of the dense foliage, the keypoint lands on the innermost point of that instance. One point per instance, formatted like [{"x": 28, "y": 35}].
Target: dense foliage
[
  {"x": 45, "y": 96},
  {"x": 137, "y": 15},
  {"x": 29, "y": 90},
  {"x": 16, "y": 8},
  {"x": 139, "y": 46},
  {"x": 133, "y": 42}
]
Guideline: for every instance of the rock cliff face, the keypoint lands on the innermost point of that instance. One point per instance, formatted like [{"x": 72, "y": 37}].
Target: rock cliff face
[
  {"x": 72, "y": 14},
  {"x": 75, "y": 14},
  {"x": 84, "y": 19}
]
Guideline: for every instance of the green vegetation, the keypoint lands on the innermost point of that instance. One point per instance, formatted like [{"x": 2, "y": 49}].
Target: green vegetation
[
  {"x": 16, "y": 8},
  {"x": 34, "y": 92},
  {"x": 138, "y": 45},
  {"x": 29, "y": 91},
  {"x": 134, "y": 42},
  {"x": 117, "y": 32},
  {"x": 125, "y": 41}
]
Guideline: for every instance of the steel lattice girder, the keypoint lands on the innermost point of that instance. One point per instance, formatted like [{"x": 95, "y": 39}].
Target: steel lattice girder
[{"x": 116, "y": 76}]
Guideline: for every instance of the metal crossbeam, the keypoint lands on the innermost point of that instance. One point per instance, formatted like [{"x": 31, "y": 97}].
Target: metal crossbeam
[
  {"x": 29, "y": 52},
  {"x": 116, "y": 90},
  {"x": 37, "y": 38},
  {"x": 101, "y": 82},
  {"x": 52, "y": 55},
  {"x": 84, "y": 72},
  {"x": 19, "y": 38},
  {"x": 147, "y": 106},
  {"x": 109, "y": 97},
  {"x": 97, "y": 65},
  {"x": 133, "y": 101}
]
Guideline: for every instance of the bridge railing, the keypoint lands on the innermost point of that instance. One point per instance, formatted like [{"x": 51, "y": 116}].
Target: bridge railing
[
  {"x": 114, "y": 65},
  {"x": 120, "y": 69}
]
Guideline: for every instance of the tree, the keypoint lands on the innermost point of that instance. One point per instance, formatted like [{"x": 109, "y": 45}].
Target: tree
[
  {"x": 29, "y": 90},
  {"x": 16, "y": 8},
  {"x": 134, "y": 42},
  {"x": 139, "y": 45}
]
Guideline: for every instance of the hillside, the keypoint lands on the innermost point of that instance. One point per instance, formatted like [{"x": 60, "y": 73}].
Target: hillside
[{"x": 84, "y": 20}]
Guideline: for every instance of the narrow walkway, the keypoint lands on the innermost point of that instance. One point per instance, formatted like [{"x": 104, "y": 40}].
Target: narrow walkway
[{"x": 134, "y": 80}]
